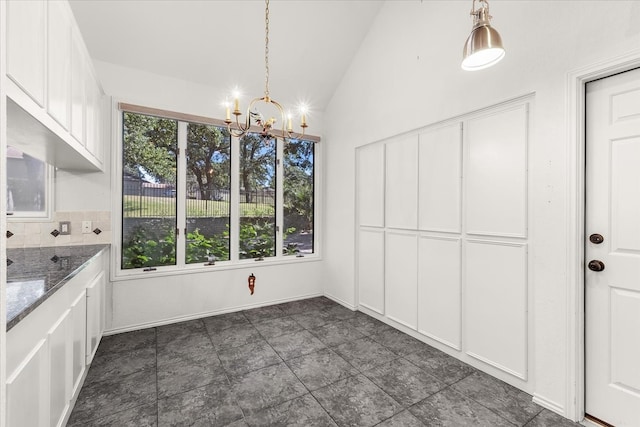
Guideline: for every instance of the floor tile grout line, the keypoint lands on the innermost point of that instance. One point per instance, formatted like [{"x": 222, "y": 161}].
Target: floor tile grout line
[
  {"x": 310, "y": 392},
  {"x": 480, "y": 403}
]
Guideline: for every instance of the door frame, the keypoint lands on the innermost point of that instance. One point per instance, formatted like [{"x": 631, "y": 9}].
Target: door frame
[{"x": 576, "y": 157}]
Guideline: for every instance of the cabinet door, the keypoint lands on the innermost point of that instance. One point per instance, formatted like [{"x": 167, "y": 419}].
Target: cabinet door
[
  {"x": 95, "y": 314},
  {"x": 25, "y": 46},
  {"x": 77, "y": 86},
  {"x": 401, "y": 196},
  {"x": 59, "y": 337},
  {"x": 28, "y": 390},
  {"x": 92, "y": 114},
  {"x": 401, "y": 277},
  {"x": 79, "y": 348},
  {"x": 59, "y": 63},
  {"x": 371, "y": 269}
]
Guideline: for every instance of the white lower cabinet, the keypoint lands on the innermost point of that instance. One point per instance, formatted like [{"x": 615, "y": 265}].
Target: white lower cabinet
[
  {"x": 60, "y": 346},
  {"x": 79, "y": 339},
  {"x": 95, "y": 315},
  {"x": 49, "y": 351},
  {"x": 27, "y": 390}
]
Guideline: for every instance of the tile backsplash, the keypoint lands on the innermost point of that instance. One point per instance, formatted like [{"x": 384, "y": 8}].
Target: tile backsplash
[{"x": 30, "y": 234}]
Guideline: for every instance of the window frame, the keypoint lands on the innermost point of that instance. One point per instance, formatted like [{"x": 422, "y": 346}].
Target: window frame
[
  {"x": 181, "y": 267},
  {"x": 36, "y": 216}
]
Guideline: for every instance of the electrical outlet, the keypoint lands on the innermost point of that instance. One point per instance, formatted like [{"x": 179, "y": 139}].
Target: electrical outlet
[
  {"x": 65, "y": 227},
  {"x": 86, "y": 227}
]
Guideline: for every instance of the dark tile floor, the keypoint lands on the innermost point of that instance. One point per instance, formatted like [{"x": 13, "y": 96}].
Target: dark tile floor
[{"x": 304, "y": 363}]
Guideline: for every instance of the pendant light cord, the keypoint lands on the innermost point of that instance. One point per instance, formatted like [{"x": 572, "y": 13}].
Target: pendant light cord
[{"x": 266, "y": 50}]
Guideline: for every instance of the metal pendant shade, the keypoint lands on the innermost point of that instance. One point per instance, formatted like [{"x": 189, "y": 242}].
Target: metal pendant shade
[{"x": 483, "y": 47}]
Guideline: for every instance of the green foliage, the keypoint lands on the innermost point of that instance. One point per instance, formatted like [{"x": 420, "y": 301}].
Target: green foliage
[
  {"x": 298, "y": 180},
  {"x": 257, "y": 240},
  {"x": 199, "y": 247},
  {"x": 142, "y": 251},
  {"x": 208, "y": 159},
  {"x": 149, "y": 147},
  {"x": 257, "y": 163}
]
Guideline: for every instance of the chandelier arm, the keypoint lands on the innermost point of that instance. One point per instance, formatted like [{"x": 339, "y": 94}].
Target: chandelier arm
[{"x": 282, "y": 117}]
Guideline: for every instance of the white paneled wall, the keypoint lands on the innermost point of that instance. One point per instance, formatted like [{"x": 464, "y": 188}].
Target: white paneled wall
[
  {"x": 371, "y": 280},
  {"x": 442, "y": 236},
  {"x": 496, "y": 173},
  {"x": 371, "y": 190},
  {"x": 495, "y": 301},
  {"x": 440, "y": 179},
  {"x": 439, "y": 289},
  {"x": 401, "y": 277},
  {"x": 401, "y": 196}
]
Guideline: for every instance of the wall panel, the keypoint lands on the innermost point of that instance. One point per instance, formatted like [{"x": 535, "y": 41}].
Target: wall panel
[
  {"x": 439, "y": 293},
  {"x": 440, "y": 179},
  {"x": 401, "y": 197},
  {"x": 495, "y": 302},
  {"x": 496, "y": 173},
  {"x": 455, "y": 246},
  {"x": 401, "y": 277},
  {"x": 370, "y": 160},
  {"x": 371, "y": 269}
]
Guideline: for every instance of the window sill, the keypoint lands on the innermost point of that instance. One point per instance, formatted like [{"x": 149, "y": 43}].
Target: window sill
[{"x": 121, "y": 275}]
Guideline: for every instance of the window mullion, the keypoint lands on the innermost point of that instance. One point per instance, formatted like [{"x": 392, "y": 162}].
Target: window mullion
[
  {"x": 234, "y": 221},
  {"x": 279, "y": 197},
  {"x": 181, "y": 195}
]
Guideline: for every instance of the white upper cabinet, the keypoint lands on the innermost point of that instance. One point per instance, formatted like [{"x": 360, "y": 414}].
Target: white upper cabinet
[
  {"x": 93, "y": 117},
  {"x": 59, "y": 63},
  {"x": 26, "y": 46},
  {"x": 77, "y": 86},
  {"x": 52, "y": 82}
]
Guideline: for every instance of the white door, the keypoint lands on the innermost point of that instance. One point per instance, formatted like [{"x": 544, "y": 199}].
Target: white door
[{"x": 612, "y": 309}]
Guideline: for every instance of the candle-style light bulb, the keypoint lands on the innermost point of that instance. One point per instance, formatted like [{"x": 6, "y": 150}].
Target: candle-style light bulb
[
  {"x": 236, "y": 102},
  {"x": 289, "y": 123},
  {"x": 303, "y": 115}
]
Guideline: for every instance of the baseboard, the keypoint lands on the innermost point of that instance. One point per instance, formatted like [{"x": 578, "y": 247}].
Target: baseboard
[
  {"x": 139, "y": 326},
  {"x": 341, "y": 302},
  {"x": 549, "y": 404}
]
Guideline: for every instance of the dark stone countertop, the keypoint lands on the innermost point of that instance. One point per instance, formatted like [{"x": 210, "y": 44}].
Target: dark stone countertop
[{"x": 34, "y": 274}]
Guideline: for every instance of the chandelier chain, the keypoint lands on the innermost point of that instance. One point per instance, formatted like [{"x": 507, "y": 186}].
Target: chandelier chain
[
  {"x": 253, "y": 115},
  {"x": 266, "y": 50}
]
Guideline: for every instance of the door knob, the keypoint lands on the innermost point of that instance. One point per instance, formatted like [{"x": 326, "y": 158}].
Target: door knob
[
  {"x": 596, "y": 238},
  {"x": 596, "y": 265}
]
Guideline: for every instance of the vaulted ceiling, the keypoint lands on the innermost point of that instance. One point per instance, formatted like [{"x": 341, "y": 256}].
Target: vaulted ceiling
[{"x": 221, "y": 43}]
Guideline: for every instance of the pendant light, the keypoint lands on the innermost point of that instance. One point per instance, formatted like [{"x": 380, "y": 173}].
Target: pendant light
[{"x": 484, "y": 45}]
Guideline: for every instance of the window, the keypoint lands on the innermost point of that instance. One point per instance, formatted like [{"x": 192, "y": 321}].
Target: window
[
  {"x": 298, "y": 197},
  {"x": 28, "y": 186},
  {"x": 208, "y": 207},
  {"x": 182, "y": 206},
  {"x": 257, "y": 197},
  {"x": 149, "y": 208}
]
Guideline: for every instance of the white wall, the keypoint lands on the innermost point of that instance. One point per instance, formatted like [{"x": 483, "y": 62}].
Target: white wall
[
  {"x": 138, "y": 303},
  {"x": 407, "y": 75}
]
